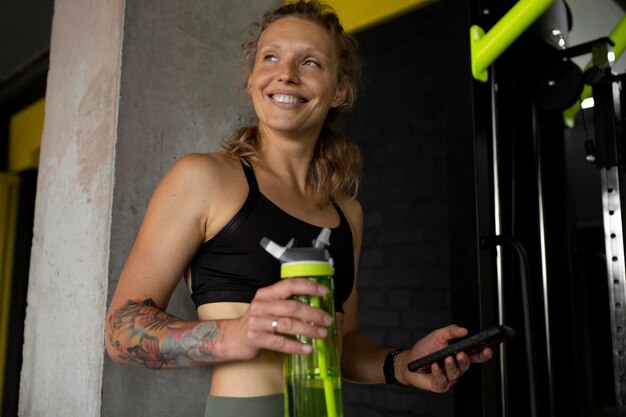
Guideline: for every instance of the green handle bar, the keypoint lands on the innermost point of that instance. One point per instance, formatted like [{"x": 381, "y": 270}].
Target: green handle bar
[{"x": 487, "y": 47}]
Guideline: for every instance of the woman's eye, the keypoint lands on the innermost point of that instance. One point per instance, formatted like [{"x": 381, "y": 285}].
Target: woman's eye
[
  {"x": 271, "y": 58},
  {"x": 311, "y": 63}
]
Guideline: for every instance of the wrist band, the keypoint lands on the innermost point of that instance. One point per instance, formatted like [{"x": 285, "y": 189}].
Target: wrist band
[{"x": 389, "y": 370}]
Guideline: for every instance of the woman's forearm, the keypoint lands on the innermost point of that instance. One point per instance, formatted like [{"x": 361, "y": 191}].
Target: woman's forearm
[
  {"x": 362, "y": 361},
  {"x": 139, "y": 333}
]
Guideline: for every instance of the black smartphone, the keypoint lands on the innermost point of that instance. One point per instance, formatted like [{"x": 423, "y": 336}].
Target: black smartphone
[{"x": 469, "y": 345}]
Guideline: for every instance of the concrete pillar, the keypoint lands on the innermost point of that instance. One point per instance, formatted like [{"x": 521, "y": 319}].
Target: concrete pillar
[
  {"x": 132, "y": 86},
  {"x": 62, "y": 356}
]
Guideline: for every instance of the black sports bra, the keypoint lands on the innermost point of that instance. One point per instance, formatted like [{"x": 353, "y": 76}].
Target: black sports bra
[{"x": 232, "y": 265}]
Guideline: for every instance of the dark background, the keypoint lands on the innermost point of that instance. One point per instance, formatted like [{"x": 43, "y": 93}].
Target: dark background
[{"x": 424, "y": 127}]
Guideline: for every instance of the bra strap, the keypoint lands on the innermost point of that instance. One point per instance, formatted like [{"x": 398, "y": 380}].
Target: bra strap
[
  {"x": 342, "y": 217},
  {"x": 248, "y": 205},
  {"x": 253, "y": 186}
]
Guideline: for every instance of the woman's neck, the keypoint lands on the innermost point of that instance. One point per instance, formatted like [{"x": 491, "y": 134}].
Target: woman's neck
[{"x": 286, "y": 158}]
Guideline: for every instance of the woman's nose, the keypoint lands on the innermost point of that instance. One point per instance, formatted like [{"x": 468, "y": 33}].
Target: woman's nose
[{"x": 288, "y": 73}]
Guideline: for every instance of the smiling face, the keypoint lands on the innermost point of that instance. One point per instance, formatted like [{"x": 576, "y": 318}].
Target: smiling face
[{"x": 294, "y": 81}]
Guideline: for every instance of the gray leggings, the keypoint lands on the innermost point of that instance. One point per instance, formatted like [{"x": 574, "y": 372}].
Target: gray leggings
[{"x": 266, "y": 406}]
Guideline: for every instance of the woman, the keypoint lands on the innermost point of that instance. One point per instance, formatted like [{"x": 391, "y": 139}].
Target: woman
[{"x": 287, "y": 177}]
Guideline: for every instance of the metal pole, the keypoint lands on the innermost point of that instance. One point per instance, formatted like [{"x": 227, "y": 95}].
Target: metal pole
[
  {"x": 614, "y": 242},
  {"x": 544, "y": 267},
  {"x": 605, "y": 112},
  {"x": 498, "y": 229}
]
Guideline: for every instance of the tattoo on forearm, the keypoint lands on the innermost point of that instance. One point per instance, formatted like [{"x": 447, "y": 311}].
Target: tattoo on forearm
[{"x": 146, "y": 335}]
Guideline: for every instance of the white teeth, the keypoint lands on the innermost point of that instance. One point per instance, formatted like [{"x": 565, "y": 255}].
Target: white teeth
[{"x": 281, "y": 98}]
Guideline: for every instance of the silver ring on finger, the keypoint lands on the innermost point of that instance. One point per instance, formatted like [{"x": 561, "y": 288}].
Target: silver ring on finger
[{"x": 275, "y": 325}]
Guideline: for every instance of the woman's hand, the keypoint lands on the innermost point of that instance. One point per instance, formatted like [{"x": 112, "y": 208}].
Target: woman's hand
[
  {"x": 272, "y": 317},
  {"x": 439, "y": 379}
]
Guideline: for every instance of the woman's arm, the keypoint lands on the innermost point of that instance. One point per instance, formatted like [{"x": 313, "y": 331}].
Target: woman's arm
[
  {"x": 360, "y": 355},
  {"x": 137, "y": 325},
  {"x": 192, "y": 202},
  {"x": 140, "y": 333},
  {"x": 362, "y": 360}
]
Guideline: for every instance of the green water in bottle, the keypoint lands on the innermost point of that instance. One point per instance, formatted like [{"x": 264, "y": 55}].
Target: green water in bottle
[{"x": 313, "y": 381}]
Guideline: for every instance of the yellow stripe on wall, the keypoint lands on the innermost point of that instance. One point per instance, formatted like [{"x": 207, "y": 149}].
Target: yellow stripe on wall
[
  {"x": 356, "y": 15},
  {"x": 25, "y": 129},
  {"x": 9, "y": 190}
]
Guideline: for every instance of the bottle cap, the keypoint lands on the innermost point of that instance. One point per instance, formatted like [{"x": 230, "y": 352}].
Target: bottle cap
[{"x": 313, "y": 261}]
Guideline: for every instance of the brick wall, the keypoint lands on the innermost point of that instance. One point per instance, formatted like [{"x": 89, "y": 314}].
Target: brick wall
[{"x": 400, "y": 125}]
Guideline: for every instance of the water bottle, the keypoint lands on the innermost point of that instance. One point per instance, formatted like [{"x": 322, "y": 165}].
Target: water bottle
[{"x": 313, "y": 381}]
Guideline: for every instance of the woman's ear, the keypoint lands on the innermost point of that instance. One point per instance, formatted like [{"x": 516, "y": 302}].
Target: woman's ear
[
  {"x": 248, "y": 82},
  {"x": 341, "y": 93}
]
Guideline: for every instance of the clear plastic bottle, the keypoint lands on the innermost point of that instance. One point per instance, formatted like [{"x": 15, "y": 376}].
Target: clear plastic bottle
[{"x": 312, "y": 382}]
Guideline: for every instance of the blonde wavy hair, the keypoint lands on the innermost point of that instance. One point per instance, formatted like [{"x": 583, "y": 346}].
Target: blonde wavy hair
[{"x": 336, "y": 163}]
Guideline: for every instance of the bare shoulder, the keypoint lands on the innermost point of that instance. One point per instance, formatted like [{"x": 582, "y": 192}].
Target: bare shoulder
[
  {"x": 205, "y": 168},
  {"x": 353, "y": 211},
  {"x": 210, "y": 186},
  {"x": 351, "y": 207},
  {"x": 200, "y": 175}
]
